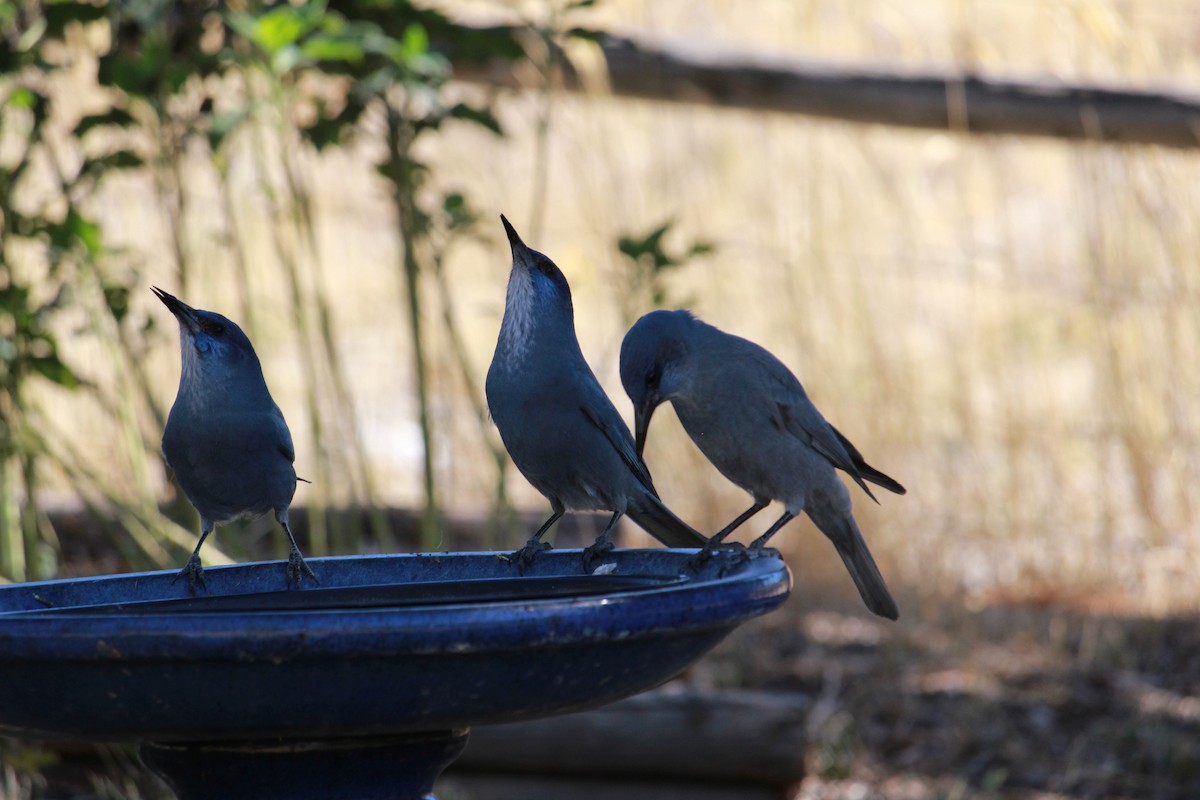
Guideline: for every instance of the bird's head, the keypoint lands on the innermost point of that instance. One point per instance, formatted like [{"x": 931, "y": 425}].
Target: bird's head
[
  {"x": 655, "y": 364},
  {"x": 208, "y": 340},
  {"x": 535, "y": 285}
]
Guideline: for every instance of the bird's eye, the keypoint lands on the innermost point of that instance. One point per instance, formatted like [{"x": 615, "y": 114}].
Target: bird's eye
[
  {"x": 214, "y": 329},
  {"x": 653, "y": 378}
]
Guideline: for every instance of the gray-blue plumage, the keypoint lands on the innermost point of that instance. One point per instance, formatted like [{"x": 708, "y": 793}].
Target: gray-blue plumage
[
  {"x": 226, "y": 439},
  {"x": 752, "y": 419},
  {"x": 558, "y": 425}
]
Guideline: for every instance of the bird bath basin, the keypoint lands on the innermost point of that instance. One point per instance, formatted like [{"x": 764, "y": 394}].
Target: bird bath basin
[{"x": 361, "y": 687}]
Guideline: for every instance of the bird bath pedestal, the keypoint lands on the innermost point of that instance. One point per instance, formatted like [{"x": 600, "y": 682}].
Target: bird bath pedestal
[{"x": 364, "y": 686}]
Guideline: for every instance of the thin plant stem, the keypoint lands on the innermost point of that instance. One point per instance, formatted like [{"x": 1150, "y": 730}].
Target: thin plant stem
[
  {"x": 319, "y": 493},
  {"x": 502, "y": 508},
  {"x": 399, "y": 171},
  {"x": 344, "y": 402}
]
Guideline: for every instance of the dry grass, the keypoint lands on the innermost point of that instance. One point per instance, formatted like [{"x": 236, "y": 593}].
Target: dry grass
[{"x": 1005, "y": 325}]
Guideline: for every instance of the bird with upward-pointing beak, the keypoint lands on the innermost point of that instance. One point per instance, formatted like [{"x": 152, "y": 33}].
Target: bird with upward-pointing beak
[
  {"x": 225, "y": 439},
  {"x": 558, "y": 425}
]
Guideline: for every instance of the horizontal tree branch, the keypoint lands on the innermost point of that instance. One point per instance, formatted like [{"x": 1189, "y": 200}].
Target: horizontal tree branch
[{"x": 966, "y": 103}]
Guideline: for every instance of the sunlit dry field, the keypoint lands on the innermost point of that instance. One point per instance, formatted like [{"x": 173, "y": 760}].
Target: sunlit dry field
[{"x": 1005, "y": 324}]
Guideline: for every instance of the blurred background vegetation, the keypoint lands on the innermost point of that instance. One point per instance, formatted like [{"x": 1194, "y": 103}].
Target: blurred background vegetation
[{"x": 1007, "y": 325}]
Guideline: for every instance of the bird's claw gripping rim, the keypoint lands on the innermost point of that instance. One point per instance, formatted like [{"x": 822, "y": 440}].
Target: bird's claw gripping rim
[
  {"x": 706, "y": 552},
  {"x": 193, "y": 573},
  {"x": 749, "y": 554},
  {"x": 524, "y": 557},
  {"x": 297, "y": 568},
  {"x": 593, "y": 553}
]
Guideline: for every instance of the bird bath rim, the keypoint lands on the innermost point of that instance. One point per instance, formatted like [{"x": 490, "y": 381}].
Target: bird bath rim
[{"x": 145, "y": 671}]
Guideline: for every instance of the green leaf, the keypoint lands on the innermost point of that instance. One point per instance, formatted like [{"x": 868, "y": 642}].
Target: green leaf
[
  {"x": 415, "y": 41},
  {"x": 116, "y": 297},
  {"x": 241, "y": 23},
  {"x": 137, "y": 71},
  {"x": 649, "y": 257},
  {"x": 653, "y": 242},
  {"x": 329, "y": 48},
  {"x": 280, "y": 27},
  {"x": 30, "y": 100},
  {"x": 120, "y": 159},
  {"x": 14, "y": 298},
  {"x": 118, "y": 117},
  {"x": 52, "y": 368},
  {"x": 587, "y": 35},
  {"x": 72, "y": 231},
  {"x": 329, "y": 130},
  {"x": 23, "y": 97},
  {"x": 86, "y": 232},
  {"x": 60, "y": 14},
  {"x": 458, "y": 213},
  {"x": 650, "y": 246},
  {"x": 479, "y": 116}
]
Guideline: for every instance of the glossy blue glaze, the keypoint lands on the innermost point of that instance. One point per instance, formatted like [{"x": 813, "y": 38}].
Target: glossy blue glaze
[{"x": 384, "y": 645}]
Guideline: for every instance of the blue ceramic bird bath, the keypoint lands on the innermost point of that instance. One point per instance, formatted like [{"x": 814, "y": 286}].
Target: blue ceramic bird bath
[{"x": 365, "y": 685}]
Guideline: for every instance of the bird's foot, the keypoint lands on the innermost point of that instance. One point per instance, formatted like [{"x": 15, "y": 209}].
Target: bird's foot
[
  {"x": 524, "y": 557},
  {"x": 747, "y": 554},
  {"x": 707, "y": 552},
  {"x": 297, "y": 568},
  {"x": 760, "y": 551},
  {"x": 595, "y": 551},
  {"x": 193, "y": 573}
]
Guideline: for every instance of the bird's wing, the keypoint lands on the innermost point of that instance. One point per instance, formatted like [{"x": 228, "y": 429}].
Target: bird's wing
[
  {"x": 793, "y": 412},
  {"x": 283, "y": 435},
  {"x": 600, "y": 411},
  {"x": 243, "y": 435}
]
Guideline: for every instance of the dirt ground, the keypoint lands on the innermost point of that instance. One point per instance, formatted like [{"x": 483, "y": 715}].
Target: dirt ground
[{"x": 1016, "y": 700}]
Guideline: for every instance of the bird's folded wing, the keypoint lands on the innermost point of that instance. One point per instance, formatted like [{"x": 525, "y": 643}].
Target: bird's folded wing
[
  {"x": 793, "y": 412},
  {"x": 284, "y": 436},
  {"x": 866, "y": 470},
  {"x": 241, "y": 438},
  {"x": 610, "y": 424}
]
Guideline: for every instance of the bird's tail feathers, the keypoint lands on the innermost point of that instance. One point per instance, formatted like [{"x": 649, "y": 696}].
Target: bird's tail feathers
[
  {"x": 661, "y": 523},
  {"x": 843, "y": 532}
]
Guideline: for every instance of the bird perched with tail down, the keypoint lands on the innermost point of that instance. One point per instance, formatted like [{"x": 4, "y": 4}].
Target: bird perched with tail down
[
  {"x": 751, "y": 417},
  {"x": 225, "y": 439},
  {"x": 558, "y": 425}
]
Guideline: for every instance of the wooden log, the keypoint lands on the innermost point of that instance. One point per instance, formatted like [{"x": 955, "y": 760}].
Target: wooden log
[
  {"x": 957, "y": 102},
  {"x": 743, "y": 736}
]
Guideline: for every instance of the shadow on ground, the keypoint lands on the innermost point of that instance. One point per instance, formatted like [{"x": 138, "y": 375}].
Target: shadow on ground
[{"x": 1017, "y": 700}]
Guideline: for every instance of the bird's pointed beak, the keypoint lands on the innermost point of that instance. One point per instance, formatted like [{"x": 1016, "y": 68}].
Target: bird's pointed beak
[
  {"x": 182, "y": 311},
  {"x": 641, "y": 423},
  {"x": 520, "y": 251}
]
